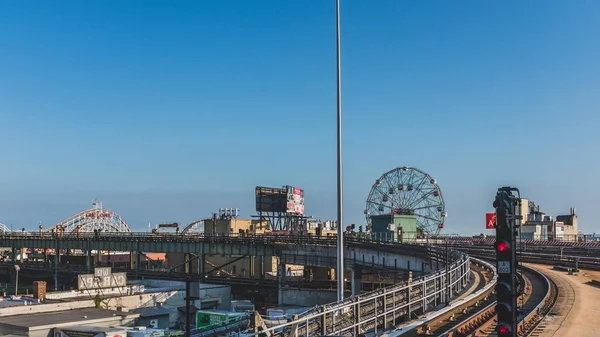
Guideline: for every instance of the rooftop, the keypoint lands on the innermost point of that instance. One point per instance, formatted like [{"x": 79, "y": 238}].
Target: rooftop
[{"x": 86, "y": 316}]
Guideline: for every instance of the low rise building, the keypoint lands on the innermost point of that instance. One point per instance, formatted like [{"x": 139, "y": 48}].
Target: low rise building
[{"x": 41, "y": 324}]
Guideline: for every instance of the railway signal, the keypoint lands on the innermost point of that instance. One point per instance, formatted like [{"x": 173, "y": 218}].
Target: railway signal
[{"x": 506, "y": 261}]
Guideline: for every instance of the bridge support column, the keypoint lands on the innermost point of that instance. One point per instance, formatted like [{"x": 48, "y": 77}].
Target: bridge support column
[
  {"x": 88, "y": 259},
  {"x": 281, "y": 280},
  {"x": 202, "y": 268},
  {"x": 252, "y": 265},
  {"x": 262, "y": 267},
  {"x": 56, "y": 263},
  {"x": 138, "y": 260},
  {"x": 186, "y": 258},
  {"x": 356, "y": 281}
]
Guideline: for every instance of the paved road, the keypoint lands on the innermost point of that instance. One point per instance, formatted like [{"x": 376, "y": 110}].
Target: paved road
[{"x": 577, "y": 312}]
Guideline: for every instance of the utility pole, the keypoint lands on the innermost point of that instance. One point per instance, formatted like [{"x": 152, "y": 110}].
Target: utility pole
[{"x": 340, "y": 229}]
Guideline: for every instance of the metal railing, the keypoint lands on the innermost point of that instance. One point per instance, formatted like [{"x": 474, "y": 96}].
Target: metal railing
[{"x": 381, "y": 309}]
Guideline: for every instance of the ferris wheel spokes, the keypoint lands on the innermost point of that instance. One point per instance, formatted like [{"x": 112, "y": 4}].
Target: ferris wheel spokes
[{"x": 408, "y": 191}]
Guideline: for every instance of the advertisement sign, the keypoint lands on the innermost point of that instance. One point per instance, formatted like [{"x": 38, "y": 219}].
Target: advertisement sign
[
  {"x": 106, "y": 279},
  {"x": 490, "y": 220},
  {"x": 270, "y": 199},
  {"x": 102, "y": 271},
  {"x": 295, "y": 200},
  {"x": 209, "y": 320}
]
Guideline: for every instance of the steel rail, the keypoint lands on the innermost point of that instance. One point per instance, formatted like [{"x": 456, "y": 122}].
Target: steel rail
[
  {"x": 485, "y": 317},
  {"x": 540, "y": 311}
]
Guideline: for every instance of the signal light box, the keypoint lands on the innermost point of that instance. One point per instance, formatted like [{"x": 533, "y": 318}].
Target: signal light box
[{"x": 507, "y": 209}]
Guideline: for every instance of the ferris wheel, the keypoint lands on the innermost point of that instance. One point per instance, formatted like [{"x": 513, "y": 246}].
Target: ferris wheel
[{"x": 408, "y": 191}]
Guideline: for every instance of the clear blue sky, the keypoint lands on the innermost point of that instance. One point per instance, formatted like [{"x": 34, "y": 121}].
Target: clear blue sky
[{"x": 168, "y": 110}]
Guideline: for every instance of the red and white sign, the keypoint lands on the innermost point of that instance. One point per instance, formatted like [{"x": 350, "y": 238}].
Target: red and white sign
[
  {"x": 295, "y": 200},
  {"x": 490, "y": 220}
]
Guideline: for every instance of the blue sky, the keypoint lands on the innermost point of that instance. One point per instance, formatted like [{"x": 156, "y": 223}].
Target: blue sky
[{"x": 167, "y": 111}]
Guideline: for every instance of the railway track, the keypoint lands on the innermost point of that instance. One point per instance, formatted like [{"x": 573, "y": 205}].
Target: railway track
[
  {"x": 462, "y": 313},
  {"x": 563, "y": 299},
  {"x": 583, "y": 261},
  {"x": 478, "y": 317},
  {"x": 542, "y": 297}
]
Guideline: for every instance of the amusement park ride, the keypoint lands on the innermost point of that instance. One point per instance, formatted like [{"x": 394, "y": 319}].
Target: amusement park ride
[
  {"x": 408, "y": 191},
  {"x": 401, "y": 191}
]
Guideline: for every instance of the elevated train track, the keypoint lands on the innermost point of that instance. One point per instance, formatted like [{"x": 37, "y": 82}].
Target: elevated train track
[
  {"x": 381, "y": 309},
  {"x": 378, "y": 310}
]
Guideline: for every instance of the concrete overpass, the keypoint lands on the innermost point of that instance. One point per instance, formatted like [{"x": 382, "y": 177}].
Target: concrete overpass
[{"x": 300, "y": 250}]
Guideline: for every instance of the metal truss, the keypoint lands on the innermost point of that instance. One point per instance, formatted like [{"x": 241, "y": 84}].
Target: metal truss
[
  {"x": 4, "y": 229},
  {"x": 95, "y": 218}
]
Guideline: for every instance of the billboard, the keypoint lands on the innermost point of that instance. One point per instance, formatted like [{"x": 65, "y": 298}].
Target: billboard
[
  {"x": 270, "y": 199},
  {"x": 295, "y": 200},
  {"x": 206, "y": 320},
  {"x": 102, "y": 278},
  {"x": 490, "y": 220}
]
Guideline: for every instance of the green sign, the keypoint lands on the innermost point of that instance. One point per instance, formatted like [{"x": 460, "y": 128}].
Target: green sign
[
  {"x": 205, "y": 320},
  {"x": 209, "y": 320}
]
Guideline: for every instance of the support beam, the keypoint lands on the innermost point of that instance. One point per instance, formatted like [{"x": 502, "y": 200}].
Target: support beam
[
  {"x": 202, "y": 267},
  {"x": 281, "y": 281},
  {"x": 356, "y": 281},
  {"x": 88, "y": 260}
]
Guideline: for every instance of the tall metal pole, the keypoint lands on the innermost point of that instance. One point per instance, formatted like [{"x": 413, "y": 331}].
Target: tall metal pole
[
  {"x": 340, "y": 229},
  {"x": 17, "y": 268}
]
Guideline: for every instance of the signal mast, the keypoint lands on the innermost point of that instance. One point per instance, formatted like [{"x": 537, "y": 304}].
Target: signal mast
[{"x": 508, "y": 218}]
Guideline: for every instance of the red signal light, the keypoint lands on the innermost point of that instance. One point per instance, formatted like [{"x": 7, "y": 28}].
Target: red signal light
[
  {"x": 502, "y": 247},
  {"x": 503, "y": 330}
]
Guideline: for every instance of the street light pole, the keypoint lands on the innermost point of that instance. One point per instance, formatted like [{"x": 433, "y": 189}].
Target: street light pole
[
  {"x": 340, "y": 229},
  {"x": 17, "y": 268}
]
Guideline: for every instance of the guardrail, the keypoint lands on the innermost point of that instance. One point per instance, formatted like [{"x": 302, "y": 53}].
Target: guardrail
[
  {"x": 380, "y": 309},
  {"x": 465, "y": 301}
]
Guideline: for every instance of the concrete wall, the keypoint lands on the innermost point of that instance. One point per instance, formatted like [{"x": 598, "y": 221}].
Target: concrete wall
[
  {"x": 319, "y": 256},
  {"x": 307, "y": 297}
]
